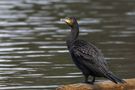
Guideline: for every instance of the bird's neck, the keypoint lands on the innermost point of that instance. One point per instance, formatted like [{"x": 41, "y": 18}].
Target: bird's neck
[
  {"x": 73, "y": 36},
  {"x": 74, "y": 33}
]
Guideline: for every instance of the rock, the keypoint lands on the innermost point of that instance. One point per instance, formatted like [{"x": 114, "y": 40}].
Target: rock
[{"x": 105, "y": 85}]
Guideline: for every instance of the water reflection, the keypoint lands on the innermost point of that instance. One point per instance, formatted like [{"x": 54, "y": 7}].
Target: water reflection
[{"x": 33, "y": 53}]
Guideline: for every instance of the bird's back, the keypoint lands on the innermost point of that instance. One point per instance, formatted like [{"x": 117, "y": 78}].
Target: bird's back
[{"x": 87, "y": 57}]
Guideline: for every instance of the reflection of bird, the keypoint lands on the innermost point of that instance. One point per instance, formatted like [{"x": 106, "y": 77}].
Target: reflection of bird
[{"x": 86, "y": 56}]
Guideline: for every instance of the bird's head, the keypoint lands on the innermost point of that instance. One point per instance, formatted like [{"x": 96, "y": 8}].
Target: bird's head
[{"x": 71, "y": 21}]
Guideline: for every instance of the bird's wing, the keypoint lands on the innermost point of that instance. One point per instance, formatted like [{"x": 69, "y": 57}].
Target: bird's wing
[{"x": 89, "y": 55}]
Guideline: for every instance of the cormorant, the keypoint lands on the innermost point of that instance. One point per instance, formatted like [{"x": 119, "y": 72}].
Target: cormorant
[{"x": 87, "y": 57}]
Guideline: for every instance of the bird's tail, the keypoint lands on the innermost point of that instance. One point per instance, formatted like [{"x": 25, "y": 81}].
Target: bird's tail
[{"x": 114, "y": 78}]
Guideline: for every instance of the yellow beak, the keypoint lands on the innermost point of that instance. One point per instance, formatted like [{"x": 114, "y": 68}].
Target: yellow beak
[{"x": 67, "y": 20}]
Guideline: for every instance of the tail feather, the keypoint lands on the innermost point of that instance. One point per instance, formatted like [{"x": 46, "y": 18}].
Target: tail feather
[{"x": 114, "y": 78}]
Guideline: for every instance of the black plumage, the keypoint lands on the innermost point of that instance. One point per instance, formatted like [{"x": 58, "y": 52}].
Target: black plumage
[{"x": 87, "y": 57}]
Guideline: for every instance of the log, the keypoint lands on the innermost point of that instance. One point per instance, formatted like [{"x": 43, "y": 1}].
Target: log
[{"x": 105, "y": 85}]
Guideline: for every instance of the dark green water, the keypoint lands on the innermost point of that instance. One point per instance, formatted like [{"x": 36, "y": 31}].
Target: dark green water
[{"x": 33, "y": 54}]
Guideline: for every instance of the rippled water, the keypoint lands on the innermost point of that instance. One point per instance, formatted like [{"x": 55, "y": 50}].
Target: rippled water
[{"x": 33, "y": 54}]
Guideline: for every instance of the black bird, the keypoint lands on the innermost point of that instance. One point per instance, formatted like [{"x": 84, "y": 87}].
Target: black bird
[{"x": 87, "y": 57}]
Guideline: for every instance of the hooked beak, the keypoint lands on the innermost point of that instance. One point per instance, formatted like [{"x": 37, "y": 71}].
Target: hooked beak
[
  {"x": 63, "y": 19},
  {"x": 67, "y": 21}
]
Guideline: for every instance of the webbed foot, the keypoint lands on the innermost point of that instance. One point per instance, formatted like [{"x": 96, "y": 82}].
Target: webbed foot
[{"x": 89, "y": 82}]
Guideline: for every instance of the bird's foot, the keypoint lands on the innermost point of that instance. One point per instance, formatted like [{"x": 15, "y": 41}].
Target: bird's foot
[{"x": 87, "y": 82}]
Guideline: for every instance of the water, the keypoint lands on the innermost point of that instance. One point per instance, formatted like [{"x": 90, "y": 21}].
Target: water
[{"x": 33, "y": 54}]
